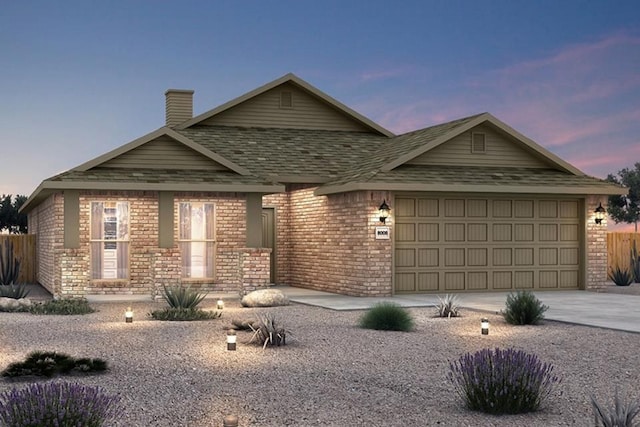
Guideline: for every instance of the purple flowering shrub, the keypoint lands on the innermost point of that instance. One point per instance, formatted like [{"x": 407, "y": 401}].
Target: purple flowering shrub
[
  {"x": 502, "y": 381},
  {"x": 59, "y": 404}
]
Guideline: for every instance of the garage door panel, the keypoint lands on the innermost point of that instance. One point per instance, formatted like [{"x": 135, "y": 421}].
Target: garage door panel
[{"x": 455, "y": 244}]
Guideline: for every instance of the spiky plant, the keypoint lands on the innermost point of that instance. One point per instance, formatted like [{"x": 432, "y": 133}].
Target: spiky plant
[
  {"x": 621, "y": 276},
  {"x": 449, "y": 306},
  {"x": 387, "y": 316},
  {"x": 267, "y": 331},
  {"x": 182, "y": 297},
  {"x": 14, "y": 291},
  {"x": 635, "y": 263},
  {"x": 621, "y": 414},
  {"x": 9, "y": 265},
  {"x": 523, "y": 308}
]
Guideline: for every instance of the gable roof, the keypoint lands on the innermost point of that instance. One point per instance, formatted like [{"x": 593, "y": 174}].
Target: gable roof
[{"x": 290, "y": 78}]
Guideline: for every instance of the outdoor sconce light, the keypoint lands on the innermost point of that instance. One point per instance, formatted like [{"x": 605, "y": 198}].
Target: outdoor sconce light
[
  {"x": 230, "y": 421},
  {"x": 128, "y": 315},
  {"x": 231, "y": 340},
  {"x": 220, "y": 304},
  {"x": 384, "y": 211},
  {"x": 599, "y": 214},
  {"x": 484, "y": 325}
]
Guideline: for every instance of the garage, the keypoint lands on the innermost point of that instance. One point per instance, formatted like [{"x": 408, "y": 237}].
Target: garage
[{"x": 471, "y": 243}]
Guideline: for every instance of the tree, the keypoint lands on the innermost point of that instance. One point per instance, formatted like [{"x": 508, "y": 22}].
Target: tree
[
  {"x": 626, "y": 208},
  {"x": 10, "y": 219}
]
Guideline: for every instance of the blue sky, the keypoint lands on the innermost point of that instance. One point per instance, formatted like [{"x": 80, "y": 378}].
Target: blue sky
[{"x": 80, "y": 78}]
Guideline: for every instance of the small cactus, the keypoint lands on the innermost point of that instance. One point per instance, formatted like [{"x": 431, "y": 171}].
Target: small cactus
[{"x": 9, "y": 265}]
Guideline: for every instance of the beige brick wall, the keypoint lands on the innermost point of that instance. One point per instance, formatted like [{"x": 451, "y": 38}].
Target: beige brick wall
[
  {"x": 45, "y": 221},
  {"x": 281, "y": 203},
  {"x": 596, "y": 245},
  {"x": 333, "y": 246}
]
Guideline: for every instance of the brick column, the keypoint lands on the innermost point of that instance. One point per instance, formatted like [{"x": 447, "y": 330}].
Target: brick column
[
  {"x": 596, "y": 242},
  {"x": 254, "y": 268}
]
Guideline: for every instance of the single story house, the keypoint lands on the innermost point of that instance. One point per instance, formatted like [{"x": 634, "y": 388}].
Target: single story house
[{"x": 287, "y": 185}]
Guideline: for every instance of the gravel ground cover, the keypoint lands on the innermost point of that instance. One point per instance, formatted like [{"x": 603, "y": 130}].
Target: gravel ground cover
[{"x": 331, "y": 373}]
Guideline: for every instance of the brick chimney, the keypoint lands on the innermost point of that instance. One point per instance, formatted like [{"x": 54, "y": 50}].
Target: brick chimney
[{"x": 179, "y": 106}]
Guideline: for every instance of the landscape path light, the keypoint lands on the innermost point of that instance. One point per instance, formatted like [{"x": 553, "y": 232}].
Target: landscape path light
[
  {"x": 484, "y": 326},
  {"x": 220, "y": 304},
  {"x": 230, "y": 421},
  {"x": 128, "y": 315},
  {"x": 231, "y": 340}
]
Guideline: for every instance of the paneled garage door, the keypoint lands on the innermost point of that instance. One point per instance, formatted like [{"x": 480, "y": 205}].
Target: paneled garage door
[{"x": 450, "y": 244}]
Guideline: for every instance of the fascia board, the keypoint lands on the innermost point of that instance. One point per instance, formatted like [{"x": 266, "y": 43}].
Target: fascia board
[{"x": 146, "y": 186}]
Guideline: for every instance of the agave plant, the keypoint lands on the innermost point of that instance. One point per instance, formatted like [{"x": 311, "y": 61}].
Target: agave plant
[
  {"x": 449, "y": 306},
  {"x": 621, "y": 276},
  {"x": 621, "y": 414},
  {"x": 14, "y": 291},
  {"x": 180, "y": 297},
  {"x": 9, "y": 265},
  {"x": 267, "y": 331}
]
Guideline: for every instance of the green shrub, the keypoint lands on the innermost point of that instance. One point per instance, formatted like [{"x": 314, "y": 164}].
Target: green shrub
[
  {"x": 448, "y": 306},
  {"x": 502, "y": 381},
  {"x": 181, "y": 297},
  {"x": 523, "y": 308},
  {"x": 66, "y": 306},
  {"x": 267, "y": 331},
  {"x": 621, "y": 414},
  {"x": 57, "y": 404},
  {"x": 14, "y": 291},
  {"x": 387, "y": 316},
  {"x": 9, "y": 266},
  {"x": 184, "y": 314},
  {"x": 621, "y": 276},
  {"x": 50, "y": 363}
]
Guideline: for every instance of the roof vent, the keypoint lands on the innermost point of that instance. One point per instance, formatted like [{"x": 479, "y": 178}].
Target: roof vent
[
  {"x": 286, "y": 99},
  {"x": 178, "y": 106},
  {"x": 478, "y": 143}
]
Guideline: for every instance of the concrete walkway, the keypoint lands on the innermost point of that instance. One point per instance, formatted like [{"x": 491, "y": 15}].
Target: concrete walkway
[{"x": 604, "y": 310}]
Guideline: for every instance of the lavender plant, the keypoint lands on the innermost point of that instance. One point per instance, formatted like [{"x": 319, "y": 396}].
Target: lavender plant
[
  {"x": 57, "y": 404},
  {"x": 502, "y": 381}
]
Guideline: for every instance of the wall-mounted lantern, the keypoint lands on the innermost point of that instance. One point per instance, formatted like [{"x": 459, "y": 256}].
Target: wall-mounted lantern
[
  {"x": 128, "y": 315},
  {"x": 231, "y": 340},
  {"x": 220, "y": 304},
  {"x": 600, "y": 211},
  {"x": 384, "y": 211},
  {"x": 484, "y": 326}
]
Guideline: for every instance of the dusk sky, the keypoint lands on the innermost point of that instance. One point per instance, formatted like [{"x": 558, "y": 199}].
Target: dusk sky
[{"x": 79, "y": 78}]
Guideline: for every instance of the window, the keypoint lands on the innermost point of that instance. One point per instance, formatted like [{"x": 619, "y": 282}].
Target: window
[
  {"x": 478, "y": 143},
  {"x": 197, "y": 239},
  {"x": 109, "y": 240}
]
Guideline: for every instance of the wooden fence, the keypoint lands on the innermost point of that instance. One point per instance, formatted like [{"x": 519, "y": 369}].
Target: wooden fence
[
  {"x": 24, "y": 249},
  {"x": 619, "y": 246}
]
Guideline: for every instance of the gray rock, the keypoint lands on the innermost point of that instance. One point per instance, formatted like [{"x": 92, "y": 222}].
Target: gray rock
[
  {"x": 8, "y": 304},
  {"x": 264, "y": 298}
]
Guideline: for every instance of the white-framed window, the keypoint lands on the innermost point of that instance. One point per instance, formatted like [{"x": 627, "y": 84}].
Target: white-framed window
[
  {"x": 109, "y": 240},
  {"x": 197, "y": 239}
]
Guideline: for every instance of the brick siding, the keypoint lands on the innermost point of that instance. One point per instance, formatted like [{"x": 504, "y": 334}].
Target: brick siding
[{"x": 596, "y": 245}]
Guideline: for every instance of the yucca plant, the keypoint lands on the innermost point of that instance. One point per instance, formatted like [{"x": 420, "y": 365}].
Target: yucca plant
[
  {"x": 267, "y": 331},
  {"x": 9, "y": 265},
  {"x": 621, "y": 276},
  {"x": 523, "y": 308},
  {"x": 181, "y": 297},
  {"x": 448, "y": 306},
  {"x": 502, "y": 381},
  {"x": 621, "y": 414},
  {"x": 387, "y": 316},
  {"x": 14, "y": 291}
]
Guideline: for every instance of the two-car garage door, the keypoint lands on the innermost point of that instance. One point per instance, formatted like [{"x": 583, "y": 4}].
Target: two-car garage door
[{"x": 454, "y": 244}]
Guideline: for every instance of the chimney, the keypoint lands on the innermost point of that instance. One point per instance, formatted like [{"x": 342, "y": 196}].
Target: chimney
[{"x": 179, "y": 106}]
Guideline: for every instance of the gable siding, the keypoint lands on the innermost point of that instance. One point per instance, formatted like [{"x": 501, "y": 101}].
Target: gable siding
[
  {"x": 163, "y": 153},
  {"x": 307, "y": 112},
  {"x": 500, "y": 151}
]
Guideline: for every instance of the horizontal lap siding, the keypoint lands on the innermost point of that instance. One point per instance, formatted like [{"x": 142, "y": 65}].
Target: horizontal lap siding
[
  {"x": 500, "y": 151},
  {"x": 307, "y": 112},
  {"x": 163, "y": 153}
]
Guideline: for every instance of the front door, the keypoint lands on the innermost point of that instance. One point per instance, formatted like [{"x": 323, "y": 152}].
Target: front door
[{"x": 269, "y": 238}]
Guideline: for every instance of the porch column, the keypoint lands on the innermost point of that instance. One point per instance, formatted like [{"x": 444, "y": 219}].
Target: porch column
[{"x": 254, "y": 220}]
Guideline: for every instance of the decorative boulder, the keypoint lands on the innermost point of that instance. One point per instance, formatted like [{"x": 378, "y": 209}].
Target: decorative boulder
[
  {"x": 9, "y": 304},
  {"x": 264, "y": 298}
]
